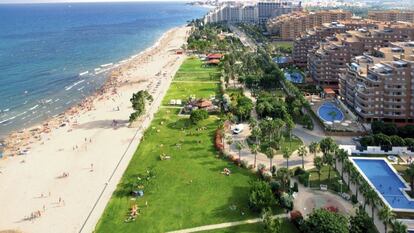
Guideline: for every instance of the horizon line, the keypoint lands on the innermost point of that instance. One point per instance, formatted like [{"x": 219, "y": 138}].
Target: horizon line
[{"x": 87, "y": 1}]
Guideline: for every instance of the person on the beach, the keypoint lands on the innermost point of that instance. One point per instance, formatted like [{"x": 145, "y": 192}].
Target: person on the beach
[{"x": 91, "y": 167}]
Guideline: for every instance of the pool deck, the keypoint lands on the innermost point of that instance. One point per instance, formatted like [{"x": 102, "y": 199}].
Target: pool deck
[
  {"x": 381, "y": 195},
  {"x": 348, "y": 123}
]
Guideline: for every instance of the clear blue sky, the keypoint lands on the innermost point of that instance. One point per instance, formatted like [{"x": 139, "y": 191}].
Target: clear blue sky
[{"x": 60, "y": 1}]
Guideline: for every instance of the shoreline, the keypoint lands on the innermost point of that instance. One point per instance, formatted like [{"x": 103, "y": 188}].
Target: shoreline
[
  {"x": 11, "y": 144},
  {"x": 71, "y": 171}
]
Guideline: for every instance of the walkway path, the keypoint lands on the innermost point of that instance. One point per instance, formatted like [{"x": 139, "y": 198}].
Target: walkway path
[{"x": 224, "y": 225}]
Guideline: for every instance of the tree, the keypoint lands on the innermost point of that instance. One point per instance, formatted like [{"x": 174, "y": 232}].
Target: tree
[
  {"x": 348, "y": 167},
  {"x": 260, "y": 196},
  {"x": 399, "y": 227},
  {"x": 371, "y": 197},
  {"x": 360, "y": 222},
  {"x": 318, "y": 163},
  {"x": 314, "y": 148},
  {"x": 270, "y": 154},
  {"x": 286, "y": 155},
  {"x": 138, "y": 101},
  {"x": 239, "y": 147},
  {"x": 410, "y": 173},
  {"x": 198, "y": 115},
  {"x": 341, "y": 155},
  {"x": 387, "y": 216},
  {"x": 302, "y": 153},
  {"x": 328, "y": 159},
  {"x": 255, "y": 149},
  {"x": 356, "y": 178},
  {"x": 270, "y": 224},
  {"x": 327, "y": 145},
  {"x": 322, "y": 220}
]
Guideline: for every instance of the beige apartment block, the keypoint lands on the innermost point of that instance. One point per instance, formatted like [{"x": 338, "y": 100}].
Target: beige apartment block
[
  {"x": 392, "y": 16},
  {"x": 290, "y": 26},
  {"x": 328, "y": 60},
  {"x": 311, "y": 38},
  {"x": 380, "y": 86}
]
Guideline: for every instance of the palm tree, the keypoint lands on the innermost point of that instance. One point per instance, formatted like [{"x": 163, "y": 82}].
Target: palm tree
[
  {"x": 254, "y": 148},
  {"x": 239, "y": 147},
  {"x": 410, "y": 173},
  {"x": 348, "y": 167},
  {"x": 270, "y": 154},
  {"x": 318, "y": 162},
  {"x": 387, "y": 216},
  {"x": 356, "y": 178},
  {"x": 286, "y": 154},
  {"x": 371, "y": 197},
  {"x": 341, "y": 155},
  {"x": 399, "y": 227},
  {"x": 328, "y": 159},
  {"x": 327, "y": 145},
  {"x": 314, "y": 148},
  {"x": 302, "y": 153}
]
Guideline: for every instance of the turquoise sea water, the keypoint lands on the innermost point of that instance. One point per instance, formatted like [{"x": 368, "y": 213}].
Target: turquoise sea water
[{"x": 45, "y": 47}]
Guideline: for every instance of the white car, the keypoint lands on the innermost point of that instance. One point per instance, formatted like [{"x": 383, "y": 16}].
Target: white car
[{"x": 238, "y": 129}]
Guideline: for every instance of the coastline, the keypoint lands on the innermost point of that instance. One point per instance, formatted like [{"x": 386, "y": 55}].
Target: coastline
[
  {"x": 83, "y": 142},
  {"x": 18, "y": 141}
]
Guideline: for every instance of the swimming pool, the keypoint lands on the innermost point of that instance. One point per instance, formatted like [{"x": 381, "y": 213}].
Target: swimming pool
[
  {"x": 294, "y": 77},
  {"x": 330, "y": 112},
  {"x": 385, "y": 180}
]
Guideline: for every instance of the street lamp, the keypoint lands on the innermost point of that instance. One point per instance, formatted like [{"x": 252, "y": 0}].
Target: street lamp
[
  {"x": 340, "y": 182},
  {"x": 310, "y": 174}
]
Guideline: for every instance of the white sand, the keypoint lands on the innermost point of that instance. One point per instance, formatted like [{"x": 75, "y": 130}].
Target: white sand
[{"x": 24, "y": 179}]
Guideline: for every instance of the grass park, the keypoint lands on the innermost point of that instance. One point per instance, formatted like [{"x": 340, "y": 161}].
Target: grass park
[{"x": 187, "y": 190}]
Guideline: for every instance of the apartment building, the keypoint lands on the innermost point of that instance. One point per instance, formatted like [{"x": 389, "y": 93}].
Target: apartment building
[
  {"x": 259, "y": 12},
  {"x": 291, "y": 26},
  {"x": 329, "y": 59},
  {"x": 392, "y": 16},
  {"x": 311, "y": 38},
  {"x": 380, "y": 86}
]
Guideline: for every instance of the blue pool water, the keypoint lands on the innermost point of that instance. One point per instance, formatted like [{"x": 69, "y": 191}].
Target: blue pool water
[
  {"x": 386, "y": 182},
  {"x": 330, "y": 112},
  {"x": 294, "y": 77}
]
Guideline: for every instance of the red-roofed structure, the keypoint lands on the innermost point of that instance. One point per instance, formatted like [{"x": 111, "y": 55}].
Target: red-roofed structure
[{"x": 212, "y": 56}]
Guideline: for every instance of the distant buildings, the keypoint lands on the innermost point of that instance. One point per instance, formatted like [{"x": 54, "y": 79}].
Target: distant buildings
[
  {"x": 392, "y": 16},
  {"x": 290, "y": 26},
  {"x": 259, "y": 12},
  {"x": 381, "y": 86},
  {"x": 328, "y": 60},
  {"x": 311, "y": 38}
]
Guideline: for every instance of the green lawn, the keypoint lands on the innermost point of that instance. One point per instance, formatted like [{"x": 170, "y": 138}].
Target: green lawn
[
  {"x": 184, "y": 90},
  {"x": 193, "y": 69},
  {"x": 333, "y": 184},
  {"x": 292, "y": 144},
  {"x": 187, "y": 190},
  {"x": 287, "y": 227}
]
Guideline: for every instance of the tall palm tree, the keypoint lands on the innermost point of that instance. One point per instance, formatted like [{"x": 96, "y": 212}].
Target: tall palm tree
[
  {"x": 239, "y": 147},
  {"x": 371, "y": 197},
  {"x": 270, "y": 154},
  {"x": 318, "y": 162},
  {"x": 314, "y": 148},
  {"x": 341, "y": 155},
  {"x": 348, "y": 168},
  {"x": 410, "y": 173},
  {"x": 328, "y": 159},
  {"x": 286, "y": 155},
  {"x": 302, "y": 152},
  {"x": 327, "y": 145},
  {"x": 255, "y": 149},
  {"x": 399, "y": 227},
  {"x": 356, "y": 178},
  {"x": 387, "y": 216}
]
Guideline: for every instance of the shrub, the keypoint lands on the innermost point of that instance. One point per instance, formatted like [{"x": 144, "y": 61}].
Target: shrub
[
  {"x": 198, "y": 115},
  {"x": 286, "y": 201},
  {"x": 275, "y": 186},
  {"x": 296, "y": 218},
  {"x": 299, "y": 171},
  {"x": 260, "y": 196},
  {"x": 295, "y": 187},
  {"x": 304, "y": 179},
  {"x": 354, "y": 199}
]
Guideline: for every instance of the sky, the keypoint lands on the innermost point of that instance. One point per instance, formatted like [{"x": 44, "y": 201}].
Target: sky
[{"x": 62, "y": 1}]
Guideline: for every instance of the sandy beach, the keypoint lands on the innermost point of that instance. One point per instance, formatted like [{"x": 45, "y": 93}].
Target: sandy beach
[{"x": 69, "y": 166}]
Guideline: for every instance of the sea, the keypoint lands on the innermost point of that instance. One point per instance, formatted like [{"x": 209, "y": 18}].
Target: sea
[{"x": 53, "y": 55}]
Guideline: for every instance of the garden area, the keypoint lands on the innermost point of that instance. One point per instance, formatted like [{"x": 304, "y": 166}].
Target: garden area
[{"x": 177, "y": 169}]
